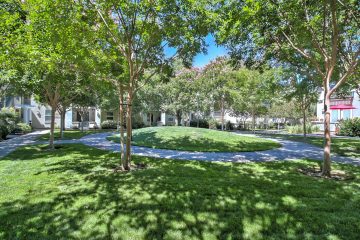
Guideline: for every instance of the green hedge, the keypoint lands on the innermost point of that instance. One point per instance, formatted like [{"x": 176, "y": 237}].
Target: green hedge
[
  {"x": 22, "y": 128},
  {"x": 8, "y": 120},
  {"x": 350, "y": 127},
  {"x": 298, "y": 129},
  {"x": 108, "y": 124}
]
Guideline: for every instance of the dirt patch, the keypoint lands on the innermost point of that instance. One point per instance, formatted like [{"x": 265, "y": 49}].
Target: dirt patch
[
  {"x": 133, "y": 167},
  {"x": 338, "y": 175}
]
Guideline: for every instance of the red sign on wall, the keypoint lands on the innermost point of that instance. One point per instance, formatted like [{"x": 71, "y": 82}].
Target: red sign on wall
[{"x": 346, "y": 101}]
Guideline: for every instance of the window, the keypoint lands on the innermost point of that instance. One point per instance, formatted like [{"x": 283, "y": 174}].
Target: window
[
  {"x": 346, "y": 114},
  {"x": 170, "y": 119},
  {"x": 334, "y": 115},
  {"x": 109, "y": 116},
  {"x": 47, "y": 116}
]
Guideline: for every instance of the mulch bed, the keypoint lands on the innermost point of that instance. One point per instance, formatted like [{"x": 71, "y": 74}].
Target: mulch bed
[
  {"x": 338, "y": 175},
  {"x": 133, "y": 167}
]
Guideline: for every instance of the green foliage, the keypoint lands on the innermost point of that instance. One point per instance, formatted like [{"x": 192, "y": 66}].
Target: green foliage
[
  {"x": 109, "y": 124},
  {"x": 350, "y": 127},
  {"x": 297, "y": 129},
  {"x": 213, "y": 124},
  {"x": 229, "y": 126},
  {"x": 8, "y": 120},
  {"x": 203, "y": 123},
  {"x": 22, "y": 128}
]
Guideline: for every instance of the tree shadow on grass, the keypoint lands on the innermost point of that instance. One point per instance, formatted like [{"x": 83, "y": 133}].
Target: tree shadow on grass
[
  {"x": 180, "y": 200},
  {"x": 188, "y": 143}
]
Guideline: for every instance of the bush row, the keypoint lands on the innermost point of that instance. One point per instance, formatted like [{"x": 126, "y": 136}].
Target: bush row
[
  {"x": 110, "y": 124},
  {"x": 350, "y": 127},
  {"x": 297, "y": 129}
]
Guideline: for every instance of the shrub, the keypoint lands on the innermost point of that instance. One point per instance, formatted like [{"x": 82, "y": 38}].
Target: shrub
[
  {"x": 8, "y": 120},
  {"x": 202, "y": 123},
  {"x": 138, "y": 124},
  {"x": 297, "y": 129},
  {"x": 213, "y": 124},
  {"x": 350, "y": 127},
  {"x": 229, "y": 126},
  {"x": 109, "y": 124},
  {"x": 22, "y": 128}
]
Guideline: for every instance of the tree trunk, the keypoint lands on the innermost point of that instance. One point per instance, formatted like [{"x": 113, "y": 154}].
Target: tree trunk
[
  {"x": 326, "y": 170},
  {"x": 178, "y": 117},
  {"x": 128, "y": 132},
  {"x": 62, "y": 124},
  {"x": 121, "y": 121},
  {"x": 82, "y": 120},
  {"x": 222, "y": 114},
  {"x": 52, "y": 128},
  {"x": 304, "y": 122},
  {"x": 253, "y": 121}
]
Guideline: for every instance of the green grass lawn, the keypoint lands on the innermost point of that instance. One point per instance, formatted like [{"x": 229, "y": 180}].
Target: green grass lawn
[
  {"x": 196, "y": 139},
  {"x": 71, "y": 134},
  {"x": 72, "y": 193},
  {"x": 342, "y": 146}
]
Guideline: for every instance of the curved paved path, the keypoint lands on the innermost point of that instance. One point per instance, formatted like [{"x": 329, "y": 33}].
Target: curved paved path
[
  {"x": 290, "y": 150},
  {"x": 10, "y": 145}
]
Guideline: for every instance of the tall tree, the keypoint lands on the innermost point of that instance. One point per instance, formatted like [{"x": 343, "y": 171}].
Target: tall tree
[
  {"x": 142, "y": 30},
  {"x": 323, "y": 35}
]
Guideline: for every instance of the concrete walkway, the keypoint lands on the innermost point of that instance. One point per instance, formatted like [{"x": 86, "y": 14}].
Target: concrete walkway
[
  {"x": 10, "y": 145},
  {"x": 289, "y": 151}
]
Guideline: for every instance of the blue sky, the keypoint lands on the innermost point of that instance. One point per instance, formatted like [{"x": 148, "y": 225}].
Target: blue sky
[
  {"x": 201, "y": 60},
  {"x": 213, "y": 51}
]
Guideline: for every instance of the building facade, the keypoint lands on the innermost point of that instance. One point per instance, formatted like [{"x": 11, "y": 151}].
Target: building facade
[
  {"x": 39, "y": 115},
  {"x": 344, "y": 107}
]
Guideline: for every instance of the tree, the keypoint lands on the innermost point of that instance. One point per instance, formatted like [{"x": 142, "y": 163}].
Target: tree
[
  {"x": 52, "y": 45},
  {"x": 251, "y": 92},
  {"x": 304, "y": 92},
  {"x": 141, "y": 30},
  {"x": 322, "y": 35},
  {"x": 216, "y": 76}
]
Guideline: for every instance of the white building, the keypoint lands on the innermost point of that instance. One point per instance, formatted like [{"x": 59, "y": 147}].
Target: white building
[
  {"x": 340, "y": 108},
  {"x": 39, "y": 115}
]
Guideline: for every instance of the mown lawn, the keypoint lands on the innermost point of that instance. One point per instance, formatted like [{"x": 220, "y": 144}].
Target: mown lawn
[
  {"x": 342, "y": 146},
  {"x": 71, "y": 134},
  {"x": 196, "y": 139},
  {"x": 72, "y": 193}
]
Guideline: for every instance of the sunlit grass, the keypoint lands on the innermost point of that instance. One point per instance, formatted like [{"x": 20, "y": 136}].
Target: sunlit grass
[
  {"x": 197, "y": 139},
  {"x": 72, "y": 193}
]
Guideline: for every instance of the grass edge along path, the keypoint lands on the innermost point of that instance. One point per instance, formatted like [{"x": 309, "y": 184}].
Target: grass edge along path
[{"x": 196, "y": 139}]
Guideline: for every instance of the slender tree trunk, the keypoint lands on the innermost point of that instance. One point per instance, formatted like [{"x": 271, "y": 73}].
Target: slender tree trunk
[
  {"x": 326, "y": 170},
  {"x": 62, "y": 124},
  {"x": 82, "y": 120},
  {"x": 253, "y": 121},
  {"x": 52, "y": 128},
  {"x": 128, "y": 131},
  {"x": 178, "y": 117},
  {"x": 121, "y": 121},
  {"x": 304, "y": 121},
  {"x": 222, "y": 114},
  {"x": 150, "y": 121}
]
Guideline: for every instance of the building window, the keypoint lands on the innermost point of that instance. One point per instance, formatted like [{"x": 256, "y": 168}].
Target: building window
[
  {"x": 47, "y": 116},
  {"x": 170, "y": 119},
  {"x": 346, "y": 114},
  {"x": 334, "y": 115},
  {"x": 109, "y": 116}
]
